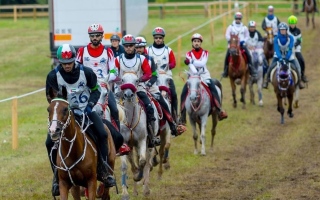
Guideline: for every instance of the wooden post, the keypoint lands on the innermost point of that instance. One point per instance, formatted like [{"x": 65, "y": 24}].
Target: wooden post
[
  {"x": 224, "y": 23},
  {"x": 15, "y": 13},
  {"x": 179, "y": 52},
  {"x": 14, "y": 123},
  {"x": 220, "y": 7},
  {"x": 229, "y": 8},
  {"x": 212, "y": 31},
  {"x": 245, "y": 15},
  {"x": 214, "y": 10},
  {"x": 208, "y": 10},
  {"x": 34, "y": 14}
]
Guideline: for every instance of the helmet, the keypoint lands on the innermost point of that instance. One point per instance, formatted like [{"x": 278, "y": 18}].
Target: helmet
[
  {"x": 238, "y": 15},
  {"x": 252, "y": 24},
  {"x": 270, "y": 8},
  {"x": 196, "y": 36},
  {"x": 141, "y": 42},
  {"x": 292, "y": 19},
  {"x": 95, "y": 28},
  {"x": 158, "y": 31},
  {"x": 115, "y": 37},
  {"x": 66, "y": 53},
  {"x": 283, "y": 26},
  {"x": 128, "y": 39}
]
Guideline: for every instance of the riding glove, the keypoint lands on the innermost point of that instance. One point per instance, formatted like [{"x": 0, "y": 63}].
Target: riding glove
[{"x": 88, "y": 108}]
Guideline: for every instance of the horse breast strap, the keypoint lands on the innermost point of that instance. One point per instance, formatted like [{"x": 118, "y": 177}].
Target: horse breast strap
[{"x": 206, "y": 87}]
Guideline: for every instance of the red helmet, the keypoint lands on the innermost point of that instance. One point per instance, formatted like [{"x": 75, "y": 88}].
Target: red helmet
[
  {"x": 95, "y": 28},
  {"x": 196, "y": 36}
]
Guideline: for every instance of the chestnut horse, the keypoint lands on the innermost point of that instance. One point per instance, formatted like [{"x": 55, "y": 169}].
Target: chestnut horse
[
  {"x": 309, "y": 9},
  {"x": 77, "y": 159},
  {"x": 237, "y": 69},
  {"x": 284, "y": 81},
  {"x": 268, "y": 45}
]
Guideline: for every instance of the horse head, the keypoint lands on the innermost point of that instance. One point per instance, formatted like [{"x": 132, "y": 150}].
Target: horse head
[
  {"x": 283, "y": 78},
  {"x": 234, "y": 47},
  {"x": 270, "y": 35},
  {"x": 194, "y": 83},
  {"x": 130, "y": 82},
  {"x": 59, "y": 113},
  {"x": 163, "y": 83}
]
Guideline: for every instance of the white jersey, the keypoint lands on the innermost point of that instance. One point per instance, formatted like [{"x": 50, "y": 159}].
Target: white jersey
[
  {"x": 78, "y": 92},
  {"x": 272, "y": 24},
  {"x": 160, "y": 57},
  {"x": 237, "y": 29},
  {"x": 199, "y": 65},
  {"x": 296, "y": 37}
]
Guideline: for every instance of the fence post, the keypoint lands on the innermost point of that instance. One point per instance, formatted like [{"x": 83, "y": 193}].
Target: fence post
[
  {"x": 34, "y": 14},
  {"x": 161, "y": 12},
  {"x": 229, "y": 8},
  {"x": 15, "y": 13},
  {"x": 179, "y": 51},
  {"x": 14, "y": 122},
  {"x": 224, "y": 23},
  {"x": 214, "y": 10},
  {"x": 220, "y": 7}
]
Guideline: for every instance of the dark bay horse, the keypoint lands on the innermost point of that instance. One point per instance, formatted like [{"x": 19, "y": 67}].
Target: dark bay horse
[
  {"x": 237, "y": 69},
  {"x": 284, "y": 81},
  {"x": 309, "y": 9},
  {"x": 77, "y": 158},
  {"x": 268, "y": 44}
]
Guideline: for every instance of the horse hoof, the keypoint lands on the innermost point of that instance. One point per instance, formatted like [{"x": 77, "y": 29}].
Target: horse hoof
[
  {"x": 261, "y": 103},
  {"x": 203, "y": 153},
  {"x": 234, "y": 105},
  {"x": 195, "y": 152}
]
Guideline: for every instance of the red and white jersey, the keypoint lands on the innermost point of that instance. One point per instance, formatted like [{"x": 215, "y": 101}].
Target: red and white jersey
[
  {"x": 198, "y": 62},
  {"x": 100, "y": 60},
  {"x": 163, "y": 56}
]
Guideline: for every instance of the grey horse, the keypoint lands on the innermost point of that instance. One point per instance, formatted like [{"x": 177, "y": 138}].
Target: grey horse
[{"x": 257, "y": 59}]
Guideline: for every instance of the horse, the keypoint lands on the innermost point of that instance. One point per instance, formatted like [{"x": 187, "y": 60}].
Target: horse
[
  {"x": 268, "y": 44},
  {"x": 257, "y": 59},
  {"x": 77, "y": 159},
  {"x": 135, "y": 134},
  {"x": 199, "y": 107},
  {"x": 237, "y": 69},
  {"x": 285, "y": 84},
  {"x": 309, "y": 9}
]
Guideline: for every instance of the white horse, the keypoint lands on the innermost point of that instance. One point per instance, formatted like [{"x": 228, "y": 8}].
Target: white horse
[
  {"x": 198, "y": 107},
  {"x": 134, "y": 131},
  {"x": 257, "y": 59}
]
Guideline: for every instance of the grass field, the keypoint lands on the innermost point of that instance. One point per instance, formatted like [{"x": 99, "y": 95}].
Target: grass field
[{"x": 254, "y": 157}]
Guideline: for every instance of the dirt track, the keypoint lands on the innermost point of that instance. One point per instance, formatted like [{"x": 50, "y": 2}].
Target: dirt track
[{"x": 278, "y": 162}]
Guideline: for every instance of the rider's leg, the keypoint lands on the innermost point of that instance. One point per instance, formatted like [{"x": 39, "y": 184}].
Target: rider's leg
[
  {"x": 225, "y": 67},
  {"x": 183, "y": 112},
  {"x": 267, "y": 78},
  {"x": 222, "y": 114},
  {"x": 102, "y": 135},
  {"x": 302, "y": 66},
  {"x": 174, "y": 97},
  {"x": 266, "y": 65},
  {"x": 252, "y": 70},
  {"x": 114, "y": 112},
  {"x": 55, "y": 181}
]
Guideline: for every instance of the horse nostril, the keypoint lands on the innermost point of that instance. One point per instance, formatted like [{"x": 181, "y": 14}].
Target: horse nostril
[
  {"x": 131, "y": 95},
  {"x": 58, "y": 130}
]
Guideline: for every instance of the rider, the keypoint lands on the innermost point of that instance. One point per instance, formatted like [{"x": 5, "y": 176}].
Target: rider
[
  {"x": 283, "y": 51},
  {"x": 164, "y": 59},
  {"x": 101, "y": 60},
  {"x": 255, "y": 40},
  {"x": 314, "y": 3},
  {"x": 115, "y": 45},
  {"x": 152, "y": 85},
  {"x": 271, "y": 21},
  {"x": 296, "y": 33},
  {"x": 130, "y": 61},
  {"x": 197, "y": 59},
  {"x": 70, "y": 74},
  {"x": 238, "y": 28}
]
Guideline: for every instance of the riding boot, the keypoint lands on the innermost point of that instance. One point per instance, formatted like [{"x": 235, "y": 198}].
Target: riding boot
[
  {"x": 267, "y": 79},
  {"x": 183, "y": 112},
  {"x": 55, "y": 184},
  {"x": 222, "y": 114},
  {"x": 107, "y": 179},
  {"x": 225, "y": 69},
  {"x": 174, "y": 98}
]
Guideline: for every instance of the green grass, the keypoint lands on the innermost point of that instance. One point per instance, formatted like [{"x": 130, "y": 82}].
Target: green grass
[{"x": 25, "y": 172}]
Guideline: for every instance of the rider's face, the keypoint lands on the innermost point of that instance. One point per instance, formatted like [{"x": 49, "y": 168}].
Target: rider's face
[
  {"x": 252, "y": 28},
  {"x": 238, "y": 20},
  {"x": 140, "y": 50},
  {"x": 292, "y": 25},
  {"x": 196, "y": 43},
  {"x": 67, "y": 66},
  {"x": 283, "y": 31},
  {"x": 115, "y": 43},
  {"x": 158, "y": 39},
  {"x": 129, "y": 48},
  {"x": 95, "y": 38}
]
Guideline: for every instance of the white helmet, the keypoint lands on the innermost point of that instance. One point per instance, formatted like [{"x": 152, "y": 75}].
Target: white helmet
[
  {"x": 270, "y": 8},
  {"x": 141, "y": 42},
  {"x": 196, "y": 36},
  {"x": 252, "y": 24}
]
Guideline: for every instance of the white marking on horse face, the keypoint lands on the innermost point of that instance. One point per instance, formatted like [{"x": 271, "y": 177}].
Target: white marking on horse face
[{"x": 54, "y": 119}]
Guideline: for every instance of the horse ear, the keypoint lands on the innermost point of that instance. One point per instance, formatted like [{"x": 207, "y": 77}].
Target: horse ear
[
  {"x": 64, "y": 92},
  {"x": 51, "y": 94}
]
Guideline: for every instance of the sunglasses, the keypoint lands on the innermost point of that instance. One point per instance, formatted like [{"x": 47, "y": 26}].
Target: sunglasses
[
  {"x": 95, "y": 35},
  {"x": 128, "y": 45},
  {"x": 238, "y": 18},
  {"x": 64, "y": 64},
  {"x": 160, "y": 38}
]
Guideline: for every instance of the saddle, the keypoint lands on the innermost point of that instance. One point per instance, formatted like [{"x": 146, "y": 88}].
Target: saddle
[{"x": 206, "y": 87}]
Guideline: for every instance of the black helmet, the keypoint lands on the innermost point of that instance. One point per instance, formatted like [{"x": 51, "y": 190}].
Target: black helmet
[{"x": 115, "y": 37}]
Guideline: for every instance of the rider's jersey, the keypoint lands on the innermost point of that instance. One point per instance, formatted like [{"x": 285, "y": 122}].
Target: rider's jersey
[
  {"x": 198, "y": 62},
  {"x": 271, "y": 24},
  {"x": 117, "y": 52},
  {"x": 296, "y": 33},
  {"x": 239, "y": 29},
  {"x": 139, "y": 65},
  {"x": 285, "y": 51},
  {"x": 100, "y": 60},
  {"x": 254, "y": 40},
  {"x": 163, "y": 58}
]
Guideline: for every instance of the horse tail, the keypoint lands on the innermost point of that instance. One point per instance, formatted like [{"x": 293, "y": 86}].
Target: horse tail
[{"x": 122, "y": 116}]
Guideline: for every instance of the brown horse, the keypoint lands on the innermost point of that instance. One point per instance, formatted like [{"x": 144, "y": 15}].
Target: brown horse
[
  {"x": 77, "y": 159},
  {"x": 268, "y": 44},
  {"x": 309, "y": 9},
  {"x": 284, "y": 81},
  {"x": 237, "y": 69}
]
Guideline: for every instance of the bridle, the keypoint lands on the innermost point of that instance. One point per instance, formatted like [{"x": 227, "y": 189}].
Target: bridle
[{"x": 199, "y": 92}]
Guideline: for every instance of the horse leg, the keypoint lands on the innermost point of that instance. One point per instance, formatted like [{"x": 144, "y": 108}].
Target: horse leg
[
  {"x": 64, "y": 188},
  {"x": 259, "y": 83},
  {"x": 213, "y": 128},
  {"x": 146, "y": 175},
  {"x": 280, "y": 109},
  {"x": 307, "y": 19},
  {"x": 166, "y": 149},
  {"x": 296, "y": 97},
  {"x": 75, "y": 192},
  {"x": 233, "y": 87},
  {"x": 124, "y": 177},
  {"x": 243, "y": 92},
  {"x": 92, "y": 186},
  {"x": 195, "y": 136},
  {"x": 161, "y": 152},
  {"x": 290, "y": 99},
  {"x": 251, "y": 93},
  {"x": 313, "y": 24},
  {"x": 203, "y": 134}
]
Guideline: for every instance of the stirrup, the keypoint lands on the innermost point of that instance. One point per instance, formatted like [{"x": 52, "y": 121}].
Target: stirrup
[
  {"x": 222, "y": 115},
  {"x": 181, "y": 128},
  {"x": 109, "y": 181}
]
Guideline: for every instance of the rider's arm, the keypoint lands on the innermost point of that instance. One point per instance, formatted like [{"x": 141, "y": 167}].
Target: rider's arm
[
  {"x": 172, "y": 59},
  {"x": 263, "y": 25},
  {"x": 299, "y": 38},
  {"x": 245, "y": 34},
  {"x": 51, "y": 82},
  {"x": 190, "y": 62},
  {"x": 290, "y": 47},
  {"x": 93, "y": 85},
  {"x": 146, "y": 69},
  {"x": 154, "y": 71},
  {"x": 203, "y": 61},
  {"x": 112, "y": 69},
  {"x": 278, "y": 21},
  {"x": 228, "y": 31},
  {"x": 79, "y": 57},
  {"x": 276, "y": 48}
]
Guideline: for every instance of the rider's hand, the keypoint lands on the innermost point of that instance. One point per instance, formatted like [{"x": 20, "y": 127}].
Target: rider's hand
[
  {"x": 163, "y": 66},
  {"x": 242, "y": 43},
  {"x": 187, "y": 61},
  {"x": 144, "y": 78},
  {"x": 149, "y": 85},
  {"x": 88, "y": 108}
]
